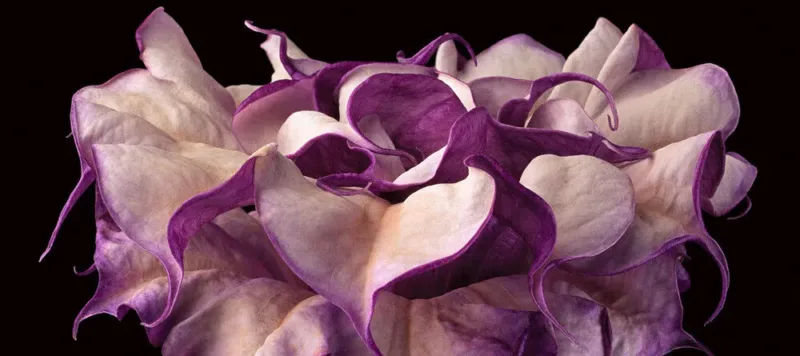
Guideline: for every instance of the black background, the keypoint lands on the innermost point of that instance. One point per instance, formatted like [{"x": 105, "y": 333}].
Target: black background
[{"x": 57, "y": 49}]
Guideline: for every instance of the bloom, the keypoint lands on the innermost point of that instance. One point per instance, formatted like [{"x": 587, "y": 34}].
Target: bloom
[{"x": 403, "y": 209}]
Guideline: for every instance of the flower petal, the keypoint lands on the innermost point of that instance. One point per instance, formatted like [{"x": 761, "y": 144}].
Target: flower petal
[
  {"x": 659, "y": 107},
  {"x": 564, "y": 115},
  {"x": 518, "y": 56},
  {"x": 233, "y": 242},
  {"x": 315, "y": 326},
  {"x": 304, "y": 133},
  {"x": 634, "y": 52},
  {"x": 592, "y": 202},
  {"x": 352, "y": 79},
  {"x": 588, "y": 59},
  {"x": 382, "y": 242},
  {"x": 288, "y": 61},
  {"x": 325, "y": 83},
  {"x": 132, "y": 181},
  {"x": 167, "y": 54},
  {"x": 736, "y": 182},
  {"x": 493, "y": 92},
  {"x": 415, "y": 110},
  {"x": 640, "y": 311},
  {"x": 259, "y": 117},
  {"x": 448, "y": 60},
  {"x": 241, "y": 91},
  {"x": 668, "y": 188}
]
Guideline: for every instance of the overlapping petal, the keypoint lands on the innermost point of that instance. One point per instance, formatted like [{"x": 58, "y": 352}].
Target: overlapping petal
[
  {"x": 174, "y": 100},
  {"x": 638, "y": 312},
  {"x": 518, "y": 56}
]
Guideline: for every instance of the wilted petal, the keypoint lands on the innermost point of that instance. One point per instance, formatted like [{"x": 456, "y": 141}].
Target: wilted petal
[
  {"x": 592, "y": 202},
  {"x": 668, "y": 188},
  {"x": 287, "y": 60},
  {"x": 416, "y": 111},
  {"x": 518, "y": 56},
  {"x": 241, "y": 91},
  {"x": 259, "y": 117},
  {"x": 661, "y": 106},
  {"x": 493, "y": 92},
  {"x": 588, "y": 59},
  {"x": 736, "y": 182},
  {"x": 638, "y": 312}
]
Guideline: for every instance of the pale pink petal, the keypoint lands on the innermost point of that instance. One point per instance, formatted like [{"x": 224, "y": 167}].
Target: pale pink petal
[
  {"x": 167, "y": 54},
  {"x": 143, "y": 186},
  {"x": 668, "y": 189},
  {"x": 635, "y": 51},
  {"x": 564, "y": 115},
  {"x": 661, "y": 106},
  {"x": 241, "y": 92},
  {"x": 234, "y": 242},
  {"x": 518, "y": 56},
  {"x": 382, "y": 242},
  {"x": 493, "y": 92},
  {"x": 736, "y": 182},
  {"x": 591, "y": 199},
  {"x": 448, "y": 59},
  {"x": 259, "y": 117},
  {"x": 463, "y": 90},
  {"x": 588, "y": 59}
]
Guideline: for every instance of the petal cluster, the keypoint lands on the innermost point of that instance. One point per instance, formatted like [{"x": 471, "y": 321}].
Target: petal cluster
[{"x": 515, "y": 202}]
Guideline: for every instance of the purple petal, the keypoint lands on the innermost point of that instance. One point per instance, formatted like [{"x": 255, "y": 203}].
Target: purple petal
[
  {"x": 325, "y": 84},
  {"x": 493, "y": 92},
  {"x": 426, "y": 52},
  {"x": 416, "y": 111},
  {"x": 516, "y": 240},
  {"x": 259, "y": 117},
  {"x": 287, "y": 60},
  {"x": 305, "y": 133},
  {"x": 638, "y": 312}
]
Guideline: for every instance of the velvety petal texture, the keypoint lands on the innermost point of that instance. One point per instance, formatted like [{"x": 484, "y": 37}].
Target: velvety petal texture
[{"x": 511, "y": 202}]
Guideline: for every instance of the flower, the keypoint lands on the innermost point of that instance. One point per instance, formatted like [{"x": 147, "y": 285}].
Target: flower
[{"x": 471, "y": 207}]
